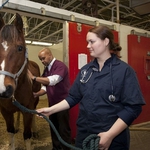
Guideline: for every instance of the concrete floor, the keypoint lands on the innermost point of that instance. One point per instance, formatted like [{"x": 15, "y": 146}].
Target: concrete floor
[{"x": 139, "y": 139}]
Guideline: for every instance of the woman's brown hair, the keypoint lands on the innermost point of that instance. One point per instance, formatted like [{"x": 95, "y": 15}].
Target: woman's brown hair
[{"x": 104, "y": 32}]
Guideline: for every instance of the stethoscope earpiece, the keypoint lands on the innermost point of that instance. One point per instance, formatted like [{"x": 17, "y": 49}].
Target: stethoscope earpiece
[{"x": 112, "y": 98}]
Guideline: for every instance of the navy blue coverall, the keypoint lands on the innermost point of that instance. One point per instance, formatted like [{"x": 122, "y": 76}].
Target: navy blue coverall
[{"x": 97, "y": 113}]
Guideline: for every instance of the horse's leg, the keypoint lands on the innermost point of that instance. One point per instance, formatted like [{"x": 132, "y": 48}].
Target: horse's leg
[
  {"x": 34, "y": 127},
  {"x": 9, "y": 119},
  {"x": 27, "y": 121},
  {"x": 17, "y": 121}
]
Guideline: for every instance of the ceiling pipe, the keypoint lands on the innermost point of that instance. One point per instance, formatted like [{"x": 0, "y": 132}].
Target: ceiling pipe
[
  {"x": 133, "y": 14},
  {"x": 118, "y": 16},
  {"x": 108, "y": 1},
  {"x": 12, "y": 19},
  {"x": 105, "y": 8},
  {"x": 112, "y": 13}
]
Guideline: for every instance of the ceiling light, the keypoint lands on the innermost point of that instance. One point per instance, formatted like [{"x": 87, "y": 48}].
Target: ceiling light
[
  {"x": 41, "y": 43},
  {"x": 28, "y": 42}
]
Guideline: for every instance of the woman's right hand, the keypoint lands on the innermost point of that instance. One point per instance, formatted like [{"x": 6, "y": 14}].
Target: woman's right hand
[{"x": 46, "y": 111}]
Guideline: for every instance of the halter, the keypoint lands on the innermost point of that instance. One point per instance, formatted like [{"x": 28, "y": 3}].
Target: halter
[{"x": 16, "y": 75}]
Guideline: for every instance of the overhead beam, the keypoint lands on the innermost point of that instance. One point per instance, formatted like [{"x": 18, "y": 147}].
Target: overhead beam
[{"x": 46, "y": 12}]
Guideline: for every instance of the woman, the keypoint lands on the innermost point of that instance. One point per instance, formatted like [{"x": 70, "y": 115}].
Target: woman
[{"x": 108, "y": 92}]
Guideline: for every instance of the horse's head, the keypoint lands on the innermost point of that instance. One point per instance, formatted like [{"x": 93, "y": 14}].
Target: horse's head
[{"x": 12, "y": 55}]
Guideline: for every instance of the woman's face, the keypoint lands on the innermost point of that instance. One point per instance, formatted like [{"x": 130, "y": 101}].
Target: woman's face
[{"x": 96, "y": 46}]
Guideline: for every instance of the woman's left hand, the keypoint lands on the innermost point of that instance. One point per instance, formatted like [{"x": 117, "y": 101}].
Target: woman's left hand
[{"x": 105, "y": 140}]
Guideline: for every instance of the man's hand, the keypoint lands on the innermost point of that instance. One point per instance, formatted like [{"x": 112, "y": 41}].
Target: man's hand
[{"x": 31, "y": 76}]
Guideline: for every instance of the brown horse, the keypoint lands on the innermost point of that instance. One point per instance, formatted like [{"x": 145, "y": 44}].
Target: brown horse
[{"x": 14, "y": 80}]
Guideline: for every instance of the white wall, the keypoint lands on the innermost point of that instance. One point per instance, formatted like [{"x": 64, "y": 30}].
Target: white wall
[
  {"x": 57, "y": 51},
  {"x": 33, "y": 55}
]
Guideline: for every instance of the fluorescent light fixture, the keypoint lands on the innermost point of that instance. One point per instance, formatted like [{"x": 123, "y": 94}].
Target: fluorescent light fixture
[
  {"x": 41, "y": 43},
  {"x": 38, "y": 43},
  {"x": 28, "y": 42}
]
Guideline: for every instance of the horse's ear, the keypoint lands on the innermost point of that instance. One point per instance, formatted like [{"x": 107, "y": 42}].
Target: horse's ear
[
  {"x": 1, "y": 22},
  {"x": 19, "y": 23}
]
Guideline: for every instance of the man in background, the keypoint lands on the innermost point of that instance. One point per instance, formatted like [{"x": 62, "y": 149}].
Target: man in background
[{"x": 55, "y": 80}]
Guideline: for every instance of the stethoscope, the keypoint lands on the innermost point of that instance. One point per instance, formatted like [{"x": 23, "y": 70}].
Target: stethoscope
[
  {"x": 85, "y": 79},
  {"x": 111, "y": 97},
  {"x": 85, "y": 72}
]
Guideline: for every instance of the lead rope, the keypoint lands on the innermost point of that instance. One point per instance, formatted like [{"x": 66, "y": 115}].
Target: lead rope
[{"x": 90, "y": 143}]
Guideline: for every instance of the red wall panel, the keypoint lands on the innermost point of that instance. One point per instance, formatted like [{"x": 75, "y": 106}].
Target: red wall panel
[
  {"x": 138, "y": 47},
  {"x": 77, "y": 45}
]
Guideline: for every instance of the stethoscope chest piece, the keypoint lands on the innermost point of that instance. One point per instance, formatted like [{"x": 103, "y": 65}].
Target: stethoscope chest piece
[{"x": 112, "y": 98}]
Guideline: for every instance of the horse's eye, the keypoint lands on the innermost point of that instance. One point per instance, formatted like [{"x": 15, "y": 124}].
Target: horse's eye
[{"x": 20, "y": 48}]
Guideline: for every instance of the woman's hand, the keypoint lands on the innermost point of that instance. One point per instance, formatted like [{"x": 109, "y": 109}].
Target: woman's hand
[
  {"x": 105, "y": 140},
  {"x": 46, "y": 111},
  {"x": 107, "y": 137}
]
